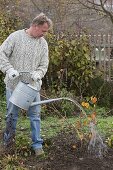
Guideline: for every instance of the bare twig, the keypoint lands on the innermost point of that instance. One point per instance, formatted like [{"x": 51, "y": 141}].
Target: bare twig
[
  {"x": 34, "y": 3},
  {"x": 98, "y": 7}
]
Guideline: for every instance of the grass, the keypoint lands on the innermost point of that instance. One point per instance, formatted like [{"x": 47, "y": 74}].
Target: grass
[
  {"x": 105, "y": 126},
  {"x": 51, "y": 125}
]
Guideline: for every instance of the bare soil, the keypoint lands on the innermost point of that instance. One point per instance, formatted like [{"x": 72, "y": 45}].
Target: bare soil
[{"x": 66, "y": 152}]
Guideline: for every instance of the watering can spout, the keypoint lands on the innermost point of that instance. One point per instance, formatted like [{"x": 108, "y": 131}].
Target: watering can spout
[{"x": 45, "y": 101}]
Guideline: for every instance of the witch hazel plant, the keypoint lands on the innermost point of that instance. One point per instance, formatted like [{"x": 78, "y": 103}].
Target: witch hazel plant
[{"x": 82, "y": 125}]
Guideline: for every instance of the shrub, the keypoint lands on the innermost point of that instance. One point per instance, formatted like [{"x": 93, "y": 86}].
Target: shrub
[
  {"x": 70, "y": 66},
  {"x": 103, "y": 90}
]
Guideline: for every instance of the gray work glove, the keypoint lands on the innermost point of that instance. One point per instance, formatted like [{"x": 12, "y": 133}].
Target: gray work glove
[{"x": 12, "y": 73}]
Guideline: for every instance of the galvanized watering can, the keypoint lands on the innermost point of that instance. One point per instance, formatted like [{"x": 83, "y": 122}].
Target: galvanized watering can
[{"x": 24, "y": 95}]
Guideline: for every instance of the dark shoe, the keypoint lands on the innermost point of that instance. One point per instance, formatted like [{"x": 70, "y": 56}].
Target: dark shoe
[
  {"x": 8, "y": 139},
  {"x": 39, "y": 152}
]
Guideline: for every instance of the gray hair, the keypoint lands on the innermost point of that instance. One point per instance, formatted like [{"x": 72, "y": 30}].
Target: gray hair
[{"x": 41, "y": 19}]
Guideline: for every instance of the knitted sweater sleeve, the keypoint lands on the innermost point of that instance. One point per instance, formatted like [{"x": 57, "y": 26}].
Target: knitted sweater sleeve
[
  {"x": 43, "y": 66},
  {"x": 5, "y": 51}
]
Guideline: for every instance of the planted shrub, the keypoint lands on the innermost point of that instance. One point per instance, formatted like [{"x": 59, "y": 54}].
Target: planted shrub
[{"x": 70, "y": 65}]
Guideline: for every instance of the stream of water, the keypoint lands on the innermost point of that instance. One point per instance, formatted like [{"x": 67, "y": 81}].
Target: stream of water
[{"x": 96, "y": 146}]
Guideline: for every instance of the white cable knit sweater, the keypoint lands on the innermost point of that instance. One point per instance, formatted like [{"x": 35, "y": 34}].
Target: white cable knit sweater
[{"x": 23, "y": 53}]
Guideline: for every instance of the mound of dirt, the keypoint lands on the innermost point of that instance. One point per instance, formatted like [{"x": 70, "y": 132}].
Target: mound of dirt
[{"x": 65, "y": 152}]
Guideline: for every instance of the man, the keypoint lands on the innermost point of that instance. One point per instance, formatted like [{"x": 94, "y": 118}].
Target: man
[{"x": 25, "y": 50}]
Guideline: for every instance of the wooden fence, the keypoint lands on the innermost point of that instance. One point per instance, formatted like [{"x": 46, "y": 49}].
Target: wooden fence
[{"x": 102, "y": 54}]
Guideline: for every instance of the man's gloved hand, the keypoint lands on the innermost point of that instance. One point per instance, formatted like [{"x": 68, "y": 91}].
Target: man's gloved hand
[
  {"x": 37, "y": 79},
  {"x": 12, "y": 74},
  {"x": 35, "y": 76}
]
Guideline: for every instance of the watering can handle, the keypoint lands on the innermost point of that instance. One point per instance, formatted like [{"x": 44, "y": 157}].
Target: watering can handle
[
  {"x": 32, "y": 83},
  {"x": 22, "y": 72}
]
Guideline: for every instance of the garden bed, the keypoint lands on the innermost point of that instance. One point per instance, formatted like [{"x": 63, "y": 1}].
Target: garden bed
[{"x": 65, "y": 152}]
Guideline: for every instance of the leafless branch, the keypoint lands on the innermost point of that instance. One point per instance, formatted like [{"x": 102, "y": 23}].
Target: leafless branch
[
  {"x": 107, "y": 12},
  {"x": 98, "y": 7},
  {"x": 34, "y": 3}
]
